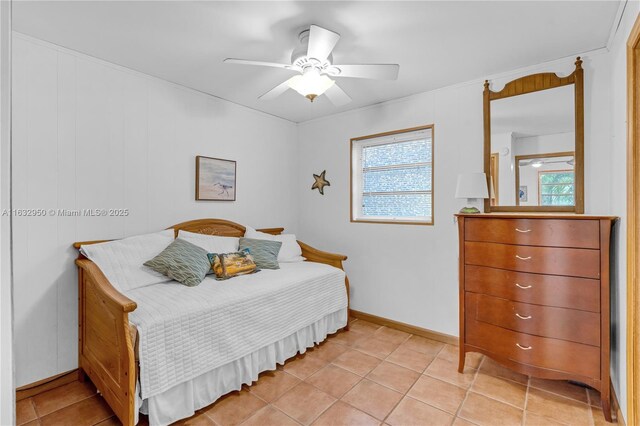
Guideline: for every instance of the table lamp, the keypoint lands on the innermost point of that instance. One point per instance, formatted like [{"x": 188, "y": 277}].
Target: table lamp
[{"x": 471, "y": 186}]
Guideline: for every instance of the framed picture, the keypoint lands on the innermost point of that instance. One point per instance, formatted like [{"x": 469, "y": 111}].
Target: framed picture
[
  {"x": 523, "y": 193},
  {"x": 215, "y": 179}
]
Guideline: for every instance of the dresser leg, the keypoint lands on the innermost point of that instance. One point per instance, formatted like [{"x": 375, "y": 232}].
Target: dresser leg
[
  {"x": 82, "y": 376},
  {"x": 461, "y": 360},
  {"x": 605, "y": 397}
]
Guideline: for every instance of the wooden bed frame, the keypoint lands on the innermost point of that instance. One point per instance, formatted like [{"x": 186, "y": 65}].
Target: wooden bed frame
[{"x": 105, "y": 345}]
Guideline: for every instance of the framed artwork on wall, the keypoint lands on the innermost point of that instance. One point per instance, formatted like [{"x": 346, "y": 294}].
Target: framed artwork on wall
[
  {"x": 523, "y": 194},
  {"x": 215, "y": 179}
]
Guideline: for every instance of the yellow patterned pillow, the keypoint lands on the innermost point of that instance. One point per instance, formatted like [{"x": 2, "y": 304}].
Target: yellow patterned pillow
[{"x": 228, "y": 265}]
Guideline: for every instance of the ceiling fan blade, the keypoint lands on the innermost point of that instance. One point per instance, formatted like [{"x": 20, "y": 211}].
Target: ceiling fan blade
[
  {"x": 337, "y": 96},
  {"x": 373, "y": 71},
  {"x": 259, "y": 63},
  {"x": 321, "y": 42},
  {"x": 276, "y": 91}
]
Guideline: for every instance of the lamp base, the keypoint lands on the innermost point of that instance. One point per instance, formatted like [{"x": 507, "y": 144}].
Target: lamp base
[{"x": 469, "y": 210}]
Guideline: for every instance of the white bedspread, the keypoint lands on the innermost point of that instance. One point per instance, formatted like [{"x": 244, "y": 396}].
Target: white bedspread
[{"x": 187, "y": 331}]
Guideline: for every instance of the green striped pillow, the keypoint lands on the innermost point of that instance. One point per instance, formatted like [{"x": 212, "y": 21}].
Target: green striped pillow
[
  {"x": 182, "y": 261},
  {"x": 264, "y": 252}
]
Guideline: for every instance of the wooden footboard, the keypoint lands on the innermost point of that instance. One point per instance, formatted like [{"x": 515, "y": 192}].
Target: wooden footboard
[
  {"x": 106, "y": 352},
  {"x": 333, "y": 259},
  {"x": 105, "y": 346}
]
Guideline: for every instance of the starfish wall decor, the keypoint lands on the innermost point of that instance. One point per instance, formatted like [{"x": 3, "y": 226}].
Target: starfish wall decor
[{"x": 320, "y": 182}]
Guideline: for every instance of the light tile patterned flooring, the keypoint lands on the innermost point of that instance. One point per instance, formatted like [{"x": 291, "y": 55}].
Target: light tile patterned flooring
[{"x": 370, "y": 375}]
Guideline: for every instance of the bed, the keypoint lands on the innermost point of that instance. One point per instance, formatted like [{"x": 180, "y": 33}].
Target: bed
[{"x": 167, "y": 350}]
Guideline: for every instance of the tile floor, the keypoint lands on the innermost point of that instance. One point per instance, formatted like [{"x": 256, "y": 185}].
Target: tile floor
[{"x": 369, "y": 375}]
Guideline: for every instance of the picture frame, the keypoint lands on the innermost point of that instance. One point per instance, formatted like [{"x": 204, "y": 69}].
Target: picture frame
[
  {"x": 523, "y": 193},
  {"x": 215, "y": 179}
]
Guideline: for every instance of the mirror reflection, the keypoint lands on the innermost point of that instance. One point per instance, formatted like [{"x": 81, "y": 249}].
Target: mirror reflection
[{"x": 532, "y": 149}]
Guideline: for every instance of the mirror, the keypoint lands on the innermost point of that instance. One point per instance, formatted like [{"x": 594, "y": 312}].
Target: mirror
[{"x": 534, "y": 140}]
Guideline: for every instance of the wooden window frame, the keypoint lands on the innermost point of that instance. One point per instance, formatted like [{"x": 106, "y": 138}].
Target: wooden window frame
[
  {"x": 541, "y": 172},
  {"x": 352, "y": 177}
]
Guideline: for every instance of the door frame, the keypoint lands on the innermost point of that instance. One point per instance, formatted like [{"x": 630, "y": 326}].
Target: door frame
[{"x": 633, "y": 224}]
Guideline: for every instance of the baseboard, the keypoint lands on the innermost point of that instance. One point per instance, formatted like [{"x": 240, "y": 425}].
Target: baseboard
[
  {"x": 615, "y": 407},
  {"x": 408, "y": 328},
  {"x": 33, "y": 389}
]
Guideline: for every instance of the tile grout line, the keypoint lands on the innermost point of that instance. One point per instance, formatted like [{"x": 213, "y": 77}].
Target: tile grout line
[
  {"x": 466, "y": 395},
  {"x": 591, "y": 417},
  {"x": 38, "y": 416},
  {"x": 315, "y": 387},
  {"x": 267, "y": 404},
  {"x": 562, "y": 396},
  {"x": 336, "y": 399},
  {"x": 526, "y": 401},
  {"x": 405, "y": 394}
]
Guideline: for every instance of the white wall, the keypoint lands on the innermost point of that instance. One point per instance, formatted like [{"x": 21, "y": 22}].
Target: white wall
[
  {"x": 544, "y": 144},
  {"x": 88, "y": 134},
  {"x": 7, "y": 394},
  {"x": 617, "y": 142},
  {"x": 409, "y": 273}
]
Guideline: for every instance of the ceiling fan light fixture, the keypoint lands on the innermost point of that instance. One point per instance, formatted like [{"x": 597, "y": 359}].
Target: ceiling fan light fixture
[{"x": 311, "y": 84}]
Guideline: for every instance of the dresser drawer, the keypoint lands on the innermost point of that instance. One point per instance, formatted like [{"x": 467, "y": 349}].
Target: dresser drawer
[
  {"x": 540, "y": 260},
  {"x": 542, "y": 352},
  {"x": 548, "y": 290},
  {"x": 535, "y": 232},
  {"x": 546, "y": 321}
]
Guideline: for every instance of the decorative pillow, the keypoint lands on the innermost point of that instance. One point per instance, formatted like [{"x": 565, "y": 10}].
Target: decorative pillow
[
  {"x": 182, "y": 261},
  {"x": 211, "y": 243},
  {"x": 121, "y": 261},
  {"x": 228, "y": 265},
  {"x": 264, "y": 252},
  {"x": 290, "y": 250}
]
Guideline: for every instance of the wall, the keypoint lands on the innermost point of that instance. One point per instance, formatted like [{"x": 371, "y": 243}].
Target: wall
[
  {"x": 544, "y": 144},
  {"x": 409, "y": 273},
  {"x": 7, "y": 394},
  {"x": 617, "y": 143},
  {"x": 88, "y": 134}
]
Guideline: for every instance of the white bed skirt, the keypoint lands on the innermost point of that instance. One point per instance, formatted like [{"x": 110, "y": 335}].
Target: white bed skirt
[{"x": 183, "y": 400}]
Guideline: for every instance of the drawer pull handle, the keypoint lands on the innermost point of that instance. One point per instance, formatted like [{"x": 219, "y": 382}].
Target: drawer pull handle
[
  {"x": 524, "y": 348},
  {"x": 524, "y": 231},
  {"x": 521, "y": 317},
  {"x": 523, "y": 258},
  {"x": 523, "y": 286}
]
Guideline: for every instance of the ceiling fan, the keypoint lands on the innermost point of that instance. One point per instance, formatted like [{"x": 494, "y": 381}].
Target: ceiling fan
[{"x": 313, "y": 62}]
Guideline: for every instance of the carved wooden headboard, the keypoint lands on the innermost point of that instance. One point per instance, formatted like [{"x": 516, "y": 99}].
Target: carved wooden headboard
[{"x": 224, "y": 228}]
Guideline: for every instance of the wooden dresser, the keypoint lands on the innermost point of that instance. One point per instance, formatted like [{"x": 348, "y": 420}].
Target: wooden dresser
[{"x": 534, "y": 295}]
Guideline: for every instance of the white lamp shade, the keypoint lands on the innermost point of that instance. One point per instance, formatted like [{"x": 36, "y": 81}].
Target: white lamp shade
[
  {"x": 310, "y": 83},
  {"x": 472, "y": 185}
]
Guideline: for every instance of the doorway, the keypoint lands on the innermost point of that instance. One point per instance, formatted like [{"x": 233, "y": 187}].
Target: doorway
[{"x": 633, "y": 224}]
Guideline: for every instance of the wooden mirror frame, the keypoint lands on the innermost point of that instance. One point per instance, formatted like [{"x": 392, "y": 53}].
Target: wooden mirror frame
[{"x": 535, "y": 83}]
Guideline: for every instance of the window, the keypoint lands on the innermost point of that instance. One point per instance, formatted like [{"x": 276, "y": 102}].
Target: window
[
  {"x": 556, "y": 188},
  {"x": 392, "y": 177}
]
